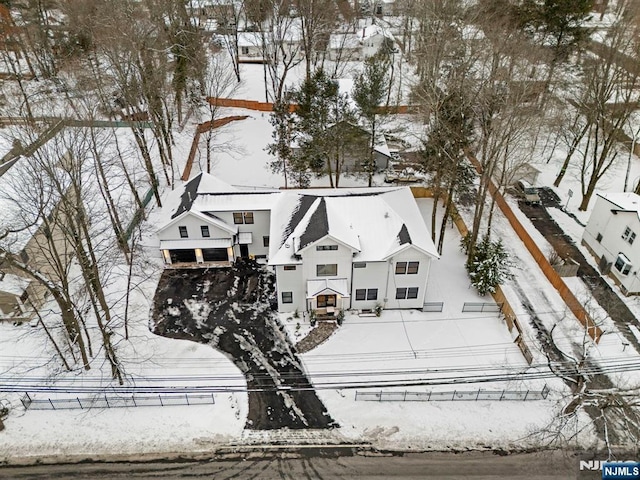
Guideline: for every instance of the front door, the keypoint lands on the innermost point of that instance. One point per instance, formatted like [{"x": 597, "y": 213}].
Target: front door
[
  {"x": 244, "y": 251},
  {"x": 325, "y": 301}
]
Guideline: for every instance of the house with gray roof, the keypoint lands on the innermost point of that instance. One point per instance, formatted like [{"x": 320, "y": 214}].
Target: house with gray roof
[{"x": 331, "y": 249}]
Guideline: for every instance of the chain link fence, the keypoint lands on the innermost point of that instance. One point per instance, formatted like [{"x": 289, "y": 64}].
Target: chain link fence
[
  {"x": 464, "y": 395},
  {"x": 116, "y": 401}
]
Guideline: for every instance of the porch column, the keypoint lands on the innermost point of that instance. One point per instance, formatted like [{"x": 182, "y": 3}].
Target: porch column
[
  {"x": 199, "y": 257},
  {"x": 167, "y": 256},
  {"x": 230, "y": 254}
]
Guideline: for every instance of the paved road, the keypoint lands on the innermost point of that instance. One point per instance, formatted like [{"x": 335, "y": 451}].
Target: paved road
[{"x": 445, "y": 466}]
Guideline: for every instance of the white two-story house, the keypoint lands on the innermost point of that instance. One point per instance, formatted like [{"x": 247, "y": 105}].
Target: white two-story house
[
  {"x": 611, "y": 235},
  {"x": 331, "y": 249}
]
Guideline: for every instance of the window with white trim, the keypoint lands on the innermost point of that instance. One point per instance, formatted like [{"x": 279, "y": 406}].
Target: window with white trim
[
  {"x": 183, "y": 232},
  {"x": 628, "y": 236},
  {"x": 410, "y": 268},
  {"x": 406, "y": 293},
  {"x": 359, "y": 265},
  {"x": 623, "y": 264},
  {"x": 242, "y": 217},
  {"x": 326, "y": 247},
  {"x": 289, "y": 267},
  {"x": 287, "y": 297},
  {"x": 366, "y": 294},
  {"x": 328, "y": 270},
  {"x": 204, "y": 230}
]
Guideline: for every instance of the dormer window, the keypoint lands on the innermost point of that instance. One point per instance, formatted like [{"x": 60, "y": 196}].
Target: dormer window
[
  {"x": 242, "y": 217},
  {"x": 628, "y": 235},
  {"x": 623, "y": 264}
]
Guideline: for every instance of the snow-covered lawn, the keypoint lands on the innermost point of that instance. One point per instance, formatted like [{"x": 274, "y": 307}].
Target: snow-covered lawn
[{"x": 405, "y": 345}]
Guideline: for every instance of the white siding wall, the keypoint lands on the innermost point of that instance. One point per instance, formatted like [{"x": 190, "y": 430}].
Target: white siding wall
[
  {"x": 611, "y": 227},
  {"x": 259, "y": 228},
  {"x": 311, "y": 258},
  {"x": 374, "y": 275},
  {"x": 193, "y": 229},
  {"x": 291, "y": 281},
  {"x": 405, "y": 281}
]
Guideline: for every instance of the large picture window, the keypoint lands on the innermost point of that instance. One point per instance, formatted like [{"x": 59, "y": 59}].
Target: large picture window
[{"x": 328, "y": 270}]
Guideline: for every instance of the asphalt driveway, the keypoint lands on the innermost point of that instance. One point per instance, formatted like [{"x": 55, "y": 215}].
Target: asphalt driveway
[{"x": 229, "y": 309}]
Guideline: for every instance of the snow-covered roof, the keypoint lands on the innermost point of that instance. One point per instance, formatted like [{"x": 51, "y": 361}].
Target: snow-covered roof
[
  {"x": 205, "y": 194},
  {"x": 374, "y": 222},
  {"x": 627, "y": 201},
  {"x": 323, "y": 286},
  {"x": 374, "y": 30},
  {"x": 251, "y": 39},
  {"x": 23, "y": 204},
  {"x": 338, "y": 41},
  {"x": 13, "y": 284}
]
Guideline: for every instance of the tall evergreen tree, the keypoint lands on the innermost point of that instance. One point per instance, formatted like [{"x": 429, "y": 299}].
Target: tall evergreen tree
[
  {"x": 320, "y": 107},
  {"x": 369, "y": 92}
]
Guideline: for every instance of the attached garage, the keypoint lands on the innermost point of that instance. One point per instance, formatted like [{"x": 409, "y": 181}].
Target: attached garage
[
  {"x": 183, "y": 256},
  {"x": 215, "y": 254}
]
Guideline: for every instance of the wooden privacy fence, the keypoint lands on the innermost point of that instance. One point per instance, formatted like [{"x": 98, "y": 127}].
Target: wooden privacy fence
[
  {"x": 556, "y": 280},
  {"x": 268, "y": 106},
  {"x": 202, "y": 128},
  {"x": 115, "y": 401},
  {"x": 454, "y": 395}
]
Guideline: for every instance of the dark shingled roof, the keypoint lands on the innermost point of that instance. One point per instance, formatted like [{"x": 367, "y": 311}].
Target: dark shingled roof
[
  {"x": 403, "y": 235},
  {"x": 188, "y": 197},
  {"x": 318, "y": 225},
  {"x": 304, "y": 204}
]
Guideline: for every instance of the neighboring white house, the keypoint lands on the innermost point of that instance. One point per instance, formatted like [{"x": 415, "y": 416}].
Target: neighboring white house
[
  {"x": 611, "y": 235},
  {"x": 365, "y": 42},
  {"x": 331, "y": 249},
  {"x": 251, "y": 46}
]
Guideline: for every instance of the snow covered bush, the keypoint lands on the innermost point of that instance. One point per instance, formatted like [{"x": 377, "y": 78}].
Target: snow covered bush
[{"x": 490, "y": 265}]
